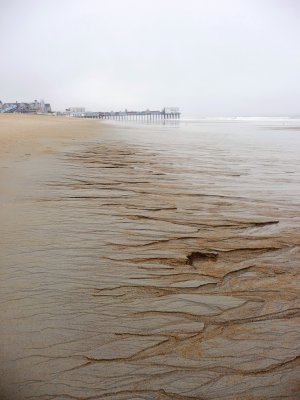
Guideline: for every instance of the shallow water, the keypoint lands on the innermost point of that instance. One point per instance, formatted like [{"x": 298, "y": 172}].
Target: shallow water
[{"x": 155, "y": 262}]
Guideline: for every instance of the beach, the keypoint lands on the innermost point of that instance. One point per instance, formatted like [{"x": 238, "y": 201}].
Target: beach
[{"x": 149, "y": 261}]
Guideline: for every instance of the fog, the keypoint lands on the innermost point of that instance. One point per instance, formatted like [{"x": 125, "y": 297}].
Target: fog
[{"x": 210, "y": 58}]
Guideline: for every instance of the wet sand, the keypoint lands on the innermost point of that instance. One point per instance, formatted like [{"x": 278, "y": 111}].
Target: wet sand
[{"x": 149, "y": 262}]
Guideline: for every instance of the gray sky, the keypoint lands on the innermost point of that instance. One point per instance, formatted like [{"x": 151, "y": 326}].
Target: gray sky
[{"x": 209, "y": 57}]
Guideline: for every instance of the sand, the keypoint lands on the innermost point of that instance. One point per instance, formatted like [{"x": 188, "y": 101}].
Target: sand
[
  {"x": 36, "y": 134},
  {"x": 139, "y": 265}
]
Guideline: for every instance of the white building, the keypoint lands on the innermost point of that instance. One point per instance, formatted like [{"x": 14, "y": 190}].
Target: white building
[{"x": 74, "y": 110}]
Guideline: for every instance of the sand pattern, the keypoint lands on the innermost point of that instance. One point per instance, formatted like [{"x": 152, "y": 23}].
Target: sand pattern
[{"x": 157, "y": 271}]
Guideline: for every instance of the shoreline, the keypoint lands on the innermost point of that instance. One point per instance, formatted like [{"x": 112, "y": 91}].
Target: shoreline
[{"x": 134, "y": 266}]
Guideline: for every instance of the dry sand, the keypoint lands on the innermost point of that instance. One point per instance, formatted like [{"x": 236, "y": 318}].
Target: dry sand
[
  {"x": 38, "y": 134},
  {"x": 136, "y": 267}
]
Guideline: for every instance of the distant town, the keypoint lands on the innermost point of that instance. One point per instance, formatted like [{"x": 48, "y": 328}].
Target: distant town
[
  {"x": 35, "y": 107},
  {"x": 42, "y": 108}
]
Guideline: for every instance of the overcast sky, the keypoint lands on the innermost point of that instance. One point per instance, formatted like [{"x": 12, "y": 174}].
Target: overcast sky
[{"x": 209, "y": 57}]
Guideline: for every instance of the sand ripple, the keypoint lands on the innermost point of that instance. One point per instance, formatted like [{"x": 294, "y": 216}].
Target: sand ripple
[{"x": 155, "y": 271}]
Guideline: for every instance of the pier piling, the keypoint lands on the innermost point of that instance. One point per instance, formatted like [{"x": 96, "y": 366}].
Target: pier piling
[{"x": 165, "y": 113}]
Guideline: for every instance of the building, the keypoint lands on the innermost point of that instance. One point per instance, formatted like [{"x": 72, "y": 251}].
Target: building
[
  {"x": 36, "y": 107},
  {"x": 47, "y": 108},
  {"x": 171, "y": 110},
  {"x": 75, "y": 111}
]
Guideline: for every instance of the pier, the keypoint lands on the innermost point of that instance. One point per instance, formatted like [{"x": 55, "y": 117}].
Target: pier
[{"x": 165, "y": 113}]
